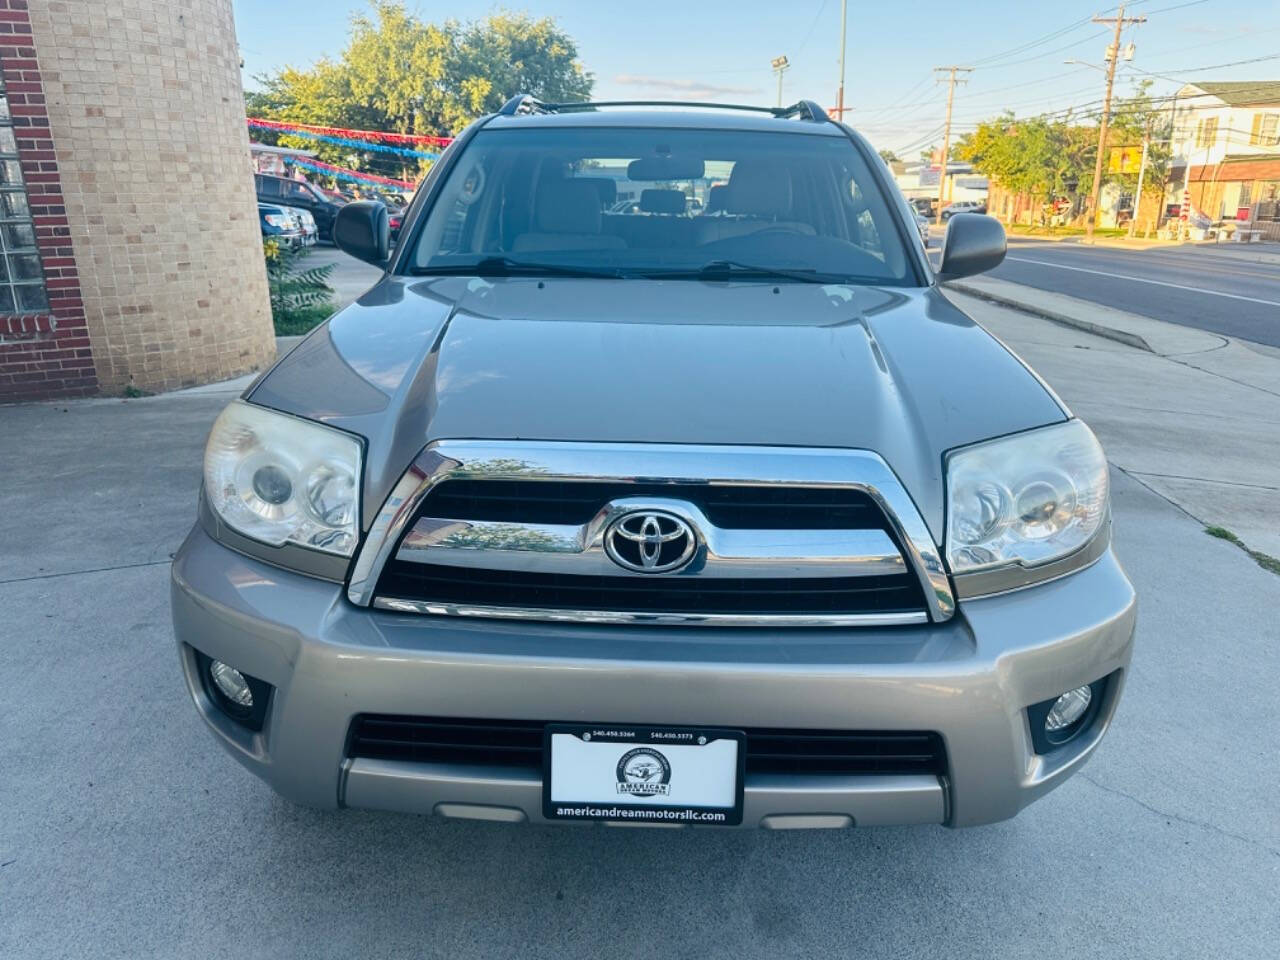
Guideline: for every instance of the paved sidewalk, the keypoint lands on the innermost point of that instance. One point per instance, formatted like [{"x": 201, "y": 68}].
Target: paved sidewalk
[
  {"x": 1154, "y": 336},
  {"x": 128, "y": 833},
  {"x": 1199, "y": 427}
]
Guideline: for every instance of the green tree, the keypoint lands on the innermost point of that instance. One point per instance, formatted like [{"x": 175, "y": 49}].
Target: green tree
[
  {"x": 403, "y": 75},
  {"x": 888, "y": 156},
  {"x": 1042, "y": 157}
]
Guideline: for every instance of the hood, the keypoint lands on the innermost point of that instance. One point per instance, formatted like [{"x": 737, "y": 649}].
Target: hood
[{"x": 898, "y": 371}]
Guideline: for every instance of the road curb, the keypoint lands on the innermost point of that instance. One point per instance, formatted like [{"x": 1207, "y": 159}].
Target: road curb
[{"x": 1066, "y": 320}]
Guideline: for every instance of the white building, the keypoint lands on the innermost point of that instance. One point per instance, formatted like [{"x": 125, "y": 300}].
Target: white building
[
  {"x": 919, "y": 181},
  {"x": 1226, "y": 151}
]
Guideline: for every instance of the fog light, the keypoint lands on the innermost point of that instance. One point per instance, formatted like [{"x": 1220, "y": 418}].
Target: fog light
[
  {"x": 234, "y": 686},
  {"x": 1066, "y": 710}
]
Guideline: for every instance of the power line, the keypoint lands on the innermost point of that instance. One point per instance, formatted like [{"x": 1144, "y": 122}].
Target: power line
[
  {"x": 1046, "y": 38},
  {"x": 809, "y": 33}
]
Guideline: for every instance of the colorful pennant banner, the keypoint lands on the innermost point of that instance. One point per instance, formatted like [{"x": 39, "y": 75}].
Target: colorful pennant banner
[
  {"x": 356, "y": 176},
  {"x": 349, "y": 134},
  {"x": 361, "y": 144}
]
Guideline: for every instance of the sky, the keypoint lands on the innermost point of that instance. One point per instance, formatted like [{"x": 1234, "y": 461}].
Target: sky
[{"x": 721, "y": 50}]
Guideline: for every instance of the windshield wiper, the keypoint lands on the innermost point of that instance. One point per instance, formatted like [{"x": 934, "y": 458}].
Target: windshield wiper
[
  {"x": 507, "y": 267},
  {"x": 735, "y": 270}
]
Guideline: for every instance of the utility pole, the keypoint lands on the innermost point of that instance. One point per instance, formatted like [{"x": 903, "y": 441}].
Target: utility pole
[
  {"x": 1120, "y": 21},
  {"x": 946, "y": 132},
  {"x": 844, "y": 19},
  {"x": 780, "y": 65}
]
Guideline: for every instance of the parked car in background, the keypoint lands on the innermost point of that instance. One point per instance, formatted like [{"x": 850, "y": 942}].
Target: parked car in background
[
  {"x": 280, "y": 223},
  {"x": 299, "y": 193},
  {"x": 963, "y": 206},
  {"x": 636, "y": 516},
  {"x": 922, "y": 224},
  {"x": 310, "y": 232},
  {"x": 923, "y": 206}
]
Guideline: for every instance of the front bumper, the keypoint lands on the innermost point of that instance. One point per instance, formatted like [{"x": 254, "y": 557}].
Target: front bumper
[{"x": 969, "y": 679}]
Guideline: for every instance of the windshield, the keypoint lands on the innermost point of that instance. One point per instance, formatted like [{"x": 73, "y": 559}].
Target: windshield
[{"x": 664, "y": 202}]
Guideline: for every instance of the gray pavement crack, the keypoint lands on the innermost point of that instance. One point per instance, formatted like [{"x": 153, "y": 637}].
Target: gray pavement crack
[
  {"x": 75, "y": 573},
  {"x": 1137, "y": 478},
  {"x": 1189, "y": 821},
  {"x": 1195, "y": 353},
  {"x": 1226, "y": 483},
  {"x": 1221, "y": 376}
]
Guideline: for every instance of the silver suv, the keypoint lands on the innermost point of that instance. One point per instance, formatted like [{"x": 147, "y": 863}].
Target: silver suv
[{"x": 707, "y": 508}]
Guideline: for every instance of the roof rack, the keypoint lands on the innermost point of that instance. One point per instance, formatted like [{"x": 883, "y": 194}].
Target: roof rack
[{"x": 523, "y": 104}]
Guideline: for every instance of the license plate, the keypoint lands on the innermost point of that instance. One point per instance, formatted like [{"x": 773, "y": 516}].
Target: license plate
[{"x": 674, "y": 775}]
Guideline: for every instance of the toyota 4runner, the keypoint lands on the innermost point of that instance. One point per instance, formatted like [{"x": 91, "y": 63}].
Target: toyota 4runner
[{"x": 656, "y": 482}]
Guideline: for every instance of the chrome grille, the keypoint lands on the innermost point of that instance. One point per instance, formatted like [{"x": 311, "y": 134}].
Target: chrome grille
[{"x": 780, "y": 536}]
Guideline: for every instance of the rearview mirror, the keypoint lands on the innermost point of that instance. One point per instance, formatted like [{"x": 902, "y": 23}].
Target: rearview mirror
[
  {"x": 974, "y": 243},
  {"x": 362, "y": 229},
  {"x": 666, "y": 168}
]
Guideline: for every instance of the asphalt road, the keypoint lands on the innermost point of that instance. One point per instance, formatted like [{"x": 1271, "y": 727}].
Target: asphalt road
[
  {"x": 125, "y": 832},
  {"x": 1221, "y": 291}
]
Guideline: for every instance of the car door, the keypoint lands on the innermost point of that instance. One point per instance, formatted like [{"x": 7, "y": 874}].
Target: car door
[
  {"x": 268, "y": 188},
  {"x": 303, "y": 195}
]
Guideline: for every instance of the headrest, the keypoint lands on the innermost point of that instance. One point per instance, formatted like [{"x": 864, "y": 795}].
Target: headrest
[
  {"x": 567, "y": 206},
  {"x": 760, "y": 188},
  {"x": 717, "y": 198},
  {"x": 607, "y": 187},
  {"x": 662, "y": 201}
]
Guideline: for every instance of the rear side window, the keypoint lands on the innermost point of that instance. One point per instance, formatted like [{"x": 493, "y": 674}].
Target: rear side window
[
  {"x": 268, "y": 187},
  {"x": 300, "y": 191},
  {"x": 655, "y": 200}
]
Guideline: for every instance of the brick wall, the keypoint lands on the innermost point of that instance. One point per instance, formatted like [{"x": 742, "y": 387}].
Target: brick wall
[
  {"x": 156, "y": 219},
  {"x": 47, "y": 353}
]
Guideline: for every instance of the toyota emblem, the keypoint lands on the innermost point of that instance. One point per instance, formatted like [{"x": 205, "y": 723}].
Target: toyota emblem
[{"x": 650, "y": 541}]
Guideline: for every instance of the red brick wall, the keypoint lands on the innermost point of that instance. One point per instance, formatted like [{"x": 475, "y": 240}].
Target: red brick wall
[{"x": 47, "y": 354}]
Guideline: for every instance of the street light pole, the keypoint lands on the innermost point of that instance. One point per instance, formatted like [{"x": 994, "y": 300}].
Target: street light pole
[
  {"x": 844, "y": 19},
  {"x": 946, "y": 133},
  {"x": 780, "y": 64},
  {"x": 1121, "y": 21}
]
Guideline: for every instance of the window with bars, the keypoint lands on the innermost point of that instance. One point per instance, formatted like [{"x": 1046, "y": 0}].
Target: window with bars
[{"x": 21, "y": 274}]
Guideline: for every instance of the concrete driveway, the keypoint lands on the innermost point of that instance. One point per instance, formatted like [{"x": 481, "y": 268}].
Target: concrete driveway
[{"x": 127, "y": 833}]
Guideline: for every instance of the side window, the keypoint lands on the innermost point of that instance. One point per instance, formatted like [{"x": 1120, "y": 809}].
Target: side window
[
  {"x": 864, "y": 231},
  {"x": 300, "y": 191},
  {"x": 268, "y": 187},
  {"x": 463, "y": 217}
]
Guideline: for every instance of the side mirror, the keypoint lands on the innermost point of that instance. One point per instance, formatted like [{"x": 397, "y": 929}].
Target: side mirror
[
  {"x": 974, "y": 243},
  {"x": 362, "y": 229}
]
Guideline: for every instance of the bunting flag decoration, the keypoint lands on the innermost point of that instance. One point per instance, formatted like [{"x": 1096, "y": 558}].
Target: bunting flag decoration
[
  {"x": 358, "y": 144},
  {"x": 300, "y": 129},
  {"x": 355, "y": 176}
]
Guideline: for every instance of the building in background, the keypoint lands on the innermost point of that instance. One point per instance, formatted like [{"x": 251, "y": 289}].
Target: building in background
[
  {"x": 919, "y": 181},
  {"x": 130, "y": 254},
  {"x": 273, "y": 160},
  {"x": 1226, "y": 152}
]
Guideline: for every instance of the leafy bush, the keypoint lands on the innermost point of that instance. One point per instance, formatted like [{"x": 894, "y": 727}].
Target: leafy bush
[{"x": 300, "y": 297}]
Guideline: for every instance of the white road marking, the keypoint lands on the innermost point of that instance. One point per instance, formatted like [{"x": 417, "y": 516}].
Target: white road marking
[{"x": 1158, "y": 283}]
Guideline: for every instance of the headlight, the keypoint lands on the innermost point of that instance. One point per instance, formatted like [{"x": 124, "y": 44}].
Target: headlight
[
  {"x": 280, "y": 480},
  {"x": 1026, "y": 499}
]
